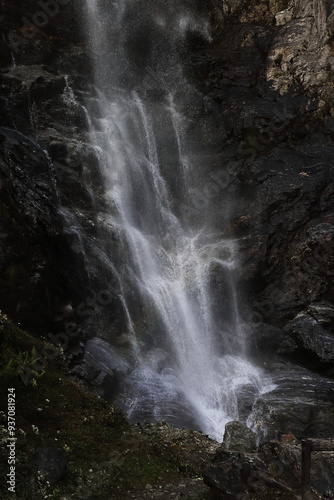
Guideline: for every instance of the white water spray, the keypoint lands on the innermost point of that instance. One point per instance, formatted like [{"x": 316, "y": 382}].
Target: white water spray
[{"x": 185, "y": 370}]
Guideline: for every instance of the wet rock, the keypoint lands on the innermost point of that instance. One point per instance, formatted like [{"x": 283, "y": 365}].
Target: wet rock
[
  {"x": 268, "y": 338},
  {"x": 102, "y": 369},
  {"x": 5, "y": 55},
  {"x": 322, "y": 473},
  {"x": 277, "y": 412},
  {"x": 323, "y": 312},
  {"x": 234, "y": 476},
  {"x": 224, "y": 475},
  {"x": 285, "y": 181},
  {"x": 48, "y": 199},
  {"x": 305, "y": 333},
  {"x": 274, "y": 471},
  {"x": 238, "y": 437}
]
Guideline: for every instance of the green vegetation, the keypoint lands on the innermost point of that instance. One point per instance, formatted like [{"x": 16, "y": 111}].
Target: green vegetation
[
  {"x": 24, "y": 365},
  {"x": 106, "y": 456}
]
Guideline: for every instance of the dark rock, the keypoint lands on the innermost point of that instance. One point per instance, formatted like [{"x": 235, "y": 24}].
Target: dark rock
[
  {"x": 5, "y": 55},
  {"x": 306, "y": 334},
  {"x": 273, "y": 471},
  {"x": 227, "y": 477},
  {"x": 323, "y": 312},
  {"x": 33, "y": 243},
  {"x": 268, "y": 338},
  {"x": 102, "y": 368},
  {"x": 322, "y": 473},
  {"x": 51, "y": 464},
  {"x": 238, "y": 437},
  {"x": 278, "y": 412}
]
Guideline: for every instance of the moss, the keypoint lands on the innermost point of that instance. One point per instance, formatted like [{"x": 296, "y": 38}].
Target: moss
[{"x": 106, "y": 456}]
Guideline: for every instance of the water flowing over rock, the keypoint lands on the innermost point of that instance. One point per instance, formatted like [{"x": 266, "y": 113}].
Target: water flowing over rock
[
  {"x": 184, "y": 368},
  {"x": 167, "y": 197}
]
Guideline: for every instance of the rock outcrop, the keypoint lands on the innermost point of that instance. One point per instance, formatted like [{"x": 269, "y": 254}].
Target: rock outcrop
[
  {"x": 49, "y": 172},
  {"x": 273, "y": 471},
  {"x": 238, "y": 437},
  {"x": 270, "y": 81}
]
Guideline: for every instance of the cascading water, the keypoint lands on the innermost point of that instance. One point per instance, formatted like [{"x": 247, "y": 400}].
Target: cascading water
[{"x": 182, "y": 367}]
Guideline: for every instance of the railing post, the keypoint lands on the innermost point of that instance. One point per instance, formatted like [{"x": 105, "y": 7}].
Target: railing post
[{"x": 306, "y": 469}]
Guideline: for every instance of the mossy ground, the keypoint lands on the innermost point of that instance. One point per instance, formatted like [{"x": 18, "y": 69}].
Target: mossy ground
[{"x": 106, "y": 456}]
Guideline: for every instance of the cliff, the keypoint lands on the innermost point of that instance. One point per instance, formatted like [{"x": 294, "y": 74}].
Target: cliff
[{"x": 268, "y": 78}]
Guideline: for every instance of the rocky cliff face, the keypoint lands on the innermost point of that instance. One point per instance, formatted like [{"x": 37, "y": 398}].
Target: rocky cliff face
[
  {"x": 270, "y": 80},
  {"x": 48, "y": 173},
  {"x": 268, "y": 77}
]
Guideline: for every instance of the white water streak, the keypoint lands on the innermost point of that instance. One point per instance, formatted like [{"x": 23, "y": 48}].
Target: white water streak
[{"x": 196, "y": 369}]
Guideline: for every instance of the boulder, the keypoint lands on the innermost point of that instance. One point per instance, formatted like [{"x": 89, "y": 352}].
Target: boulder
[
  {"x": 238, "y": 437},
  {"x": 273, "y": 472},
  {"x": 102, "y": 368},
  {"x": 51, "y": 464},
  {"x": 301, "y": 403},
  {"x": 305, "y": 333},
  {"x": 239, "y": 476}
]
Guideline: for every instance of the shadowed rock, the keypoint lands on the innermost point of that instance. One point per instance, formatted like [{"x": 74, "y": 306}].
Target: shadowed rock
[
  {"x": 238, "y": 437},
  {"x": 51, "y": 464}
]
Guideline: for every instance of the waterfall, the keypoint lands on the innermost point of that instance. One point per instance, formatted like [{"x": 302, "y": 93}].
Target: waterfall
[{"x": 182, "y": 367}]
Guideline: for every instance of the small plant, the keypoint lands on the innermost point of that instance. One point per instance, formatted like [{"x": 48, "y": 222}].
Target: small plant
[{"x": 26, "y": 365}]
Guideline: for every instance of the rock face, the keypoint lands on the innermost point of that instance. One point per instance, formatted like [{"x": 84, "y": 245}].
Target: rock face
[
  {"x": 40, "y": 274},
  {"x": 240, "y": 470},
  {"x": 269, "y": 79},
  {"x": 281, "y": 143},
  {"x": 48, "y": 175},
  {"x": 238, "y": 437},
  {"x": 308, "y": 335},
  {"x": 101, "y": 368},
  {"x": 273, "y": 472}
]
